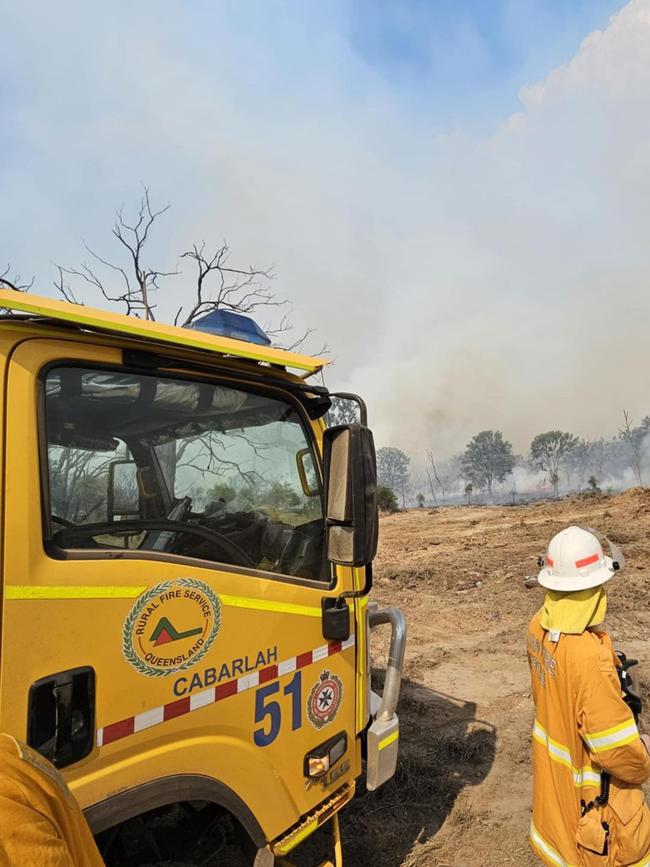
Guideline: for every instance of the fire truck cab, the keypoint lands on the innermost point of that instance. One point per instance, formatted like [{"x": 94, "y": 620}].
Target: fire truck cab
[{"x": 186, "y": 564}]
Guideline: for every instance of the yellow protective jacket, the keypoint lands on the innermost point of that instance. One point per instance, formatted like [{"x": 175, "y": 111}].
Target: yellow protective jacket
[
  {"x": 41, "y": 824},
  {"x": 582, "y": 727}
]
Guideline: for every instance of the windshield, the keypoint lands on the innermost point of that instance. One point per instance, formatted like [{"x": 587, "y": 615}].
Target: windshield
[{"x": 148, "y": 463}]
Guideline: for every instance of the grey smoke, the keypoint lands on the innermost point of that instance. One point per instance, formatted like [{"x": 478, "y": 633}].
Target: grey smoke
[{"x": 464, "y": 280}]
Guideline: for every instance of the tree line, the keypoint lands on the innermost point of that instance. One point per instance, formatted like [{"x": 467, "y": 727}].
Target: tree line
[{"x": 556, "y": 461}]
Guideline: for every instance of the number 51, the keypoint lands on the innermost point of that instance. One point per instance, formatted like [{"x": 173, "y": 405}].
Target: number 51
[{"x": 272, "y": 709}]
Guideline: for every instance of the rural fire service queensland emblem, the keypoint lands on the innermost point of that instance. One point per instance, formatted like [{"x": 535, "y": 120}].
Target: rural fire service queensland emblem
[
  {"x": 171, "y": 627},
  {"x": 324, "y": 699}
]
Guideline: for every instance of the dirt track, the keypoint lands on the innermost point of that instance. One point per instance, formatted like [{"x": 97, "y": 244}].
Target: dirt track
[{"x": 462, "y": 795}]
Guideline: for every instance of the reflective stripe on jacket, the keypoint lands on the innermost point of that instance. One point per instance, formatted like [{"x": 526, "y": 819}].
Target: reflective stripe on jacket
[{"x": 582, "y": 727}]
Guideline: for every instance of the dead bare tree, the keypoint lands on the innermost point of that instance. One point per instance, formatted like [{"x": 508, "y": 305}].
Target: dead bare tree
[
  {"x": 433, "y": 493},
  {"x": 435, "y": 472},
  {"x": 632, "y": 436},
  {"x": 240, "y": 290},
  {"x": 218, "y": 285}
]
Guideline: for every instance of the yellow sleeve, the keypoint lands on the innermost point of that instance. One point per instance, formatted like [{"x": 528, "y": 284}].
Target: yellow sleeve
[
  {"x": 27, "y": 838},
  {"x": 606, "y": 724}
]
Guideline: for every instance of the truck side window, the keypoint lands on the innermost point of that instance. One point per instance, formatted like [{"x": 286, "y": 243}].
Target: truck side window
[{"x": 187, "y": 468}]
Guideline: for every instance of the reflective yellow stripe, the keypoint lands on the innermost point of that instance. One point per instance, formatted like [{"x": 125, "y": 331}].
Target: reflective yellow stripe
[
  {"x": 644, "y": 862},
  {"x": 269, "y": 605},
  {"x": 300, "y": 836},
  {"x": 362, "y": 657},
  {"x": 545, "y": 850},
  {"x": 613, "y": 730},
  {"x": 388, "y": 741},
  {"x": 131, "y": 326},
  {"x": 76, "y": 591},
  {"x": 582, "y": 777},
  {"x": 609, "y": 739},
  {"x": 34, "y": 591}
]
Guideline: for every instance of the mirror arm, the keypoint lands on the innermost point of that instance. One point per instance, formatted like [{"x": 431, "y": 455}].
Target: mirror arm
[
  {"x": 357, "y": 594},
  {"x": 335, "y": 618}
]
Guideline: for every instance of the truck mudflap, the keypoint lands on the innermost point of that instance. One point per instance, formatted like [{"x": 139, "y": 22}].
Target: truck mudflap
[{"x": 383, "y": 732}]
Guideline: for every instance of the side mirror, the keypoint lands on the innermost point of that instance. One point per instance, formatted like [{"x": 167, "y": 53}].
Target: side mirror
[
  {"x": 123, "y": 499},
  {"x": 350, "y": 467}
]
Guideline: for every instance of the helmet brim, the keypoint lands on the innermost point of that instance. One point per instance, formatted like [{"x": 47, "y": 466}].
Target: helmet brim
[{"x": 572, "y": 583}]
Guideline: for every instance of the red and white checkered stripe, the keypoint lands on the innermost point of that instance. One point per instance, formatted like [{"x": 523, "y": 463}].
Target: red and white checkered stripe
[{"x": 129, "y": 726}]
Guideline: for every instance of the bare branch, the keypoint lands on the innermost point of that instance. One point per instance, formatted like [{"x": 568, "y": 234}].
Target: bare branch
[
  {"x": 235, "y": 289},
  {"x": 138, "y": 281},
  {"x": 64, "y": 289},
  {"x": 14, "y": 282},
  {"x": 297, "y": 345},
  {"x": 112, "y": 266}
]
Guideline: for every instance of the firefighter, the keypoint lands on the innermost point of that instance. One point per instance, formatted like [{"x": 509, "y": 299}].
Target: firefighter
[
  {"x": 41, "y": 824},
  {"x": 589, "y": 761}
]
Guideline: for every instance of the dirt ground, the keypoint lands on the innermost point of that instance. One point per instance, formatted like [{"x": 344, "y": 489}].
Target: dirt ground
[{"x": 462, "y": 795}]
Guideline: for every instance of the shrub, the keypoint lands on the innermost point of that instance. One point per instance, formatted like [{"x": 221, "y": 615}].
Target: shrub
[{"x": 386, "y": 499}]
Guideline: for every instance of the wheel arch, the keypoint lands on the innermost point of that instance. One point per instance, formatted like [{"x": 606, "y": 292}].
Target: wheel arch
[{"x": 170, "y": 790}]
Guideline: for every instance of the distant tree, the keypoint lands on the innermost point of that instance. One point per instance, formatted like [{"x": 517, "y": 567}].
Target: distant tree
[
  {"x": 393, "y": 470},
  {"x": 633, "y": 438},
  {"x": 222, "y": 492},
  {"x": 577, "y": 462},
  {"x": 469, "y": 487},
  {"x": 386, "y": 499},
  {"x": 547, "y": 451},
  {"x": 593, "y": 485},
  {"x": 434, "y": 469},
  {"x": 420, "y": 500},
  {"x": 488, "y": 459},
  {"x": 281, "y": 495},
  {"x": 602, "y": 458},
  {"x": 554, "y": 479},
  {"x": 451, "y": 471}
]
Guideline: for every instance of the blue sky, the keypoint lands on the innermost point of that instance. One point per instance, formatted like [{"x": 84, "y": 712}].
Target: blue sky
[
  {"x": 450, "y": 175},
  {"x": 457, "y": 62},
  {"x": 468, "y": 59}
]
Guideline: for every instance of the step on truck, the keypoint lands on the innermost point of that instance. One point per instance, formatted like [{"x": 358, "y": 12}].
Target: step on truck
[{"x": 186, "y": 563}]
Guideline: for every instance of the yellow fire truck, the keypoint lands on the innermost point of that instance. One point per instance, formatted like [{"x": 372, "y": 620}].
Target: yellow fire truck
[{"x": 186, "y": 563}]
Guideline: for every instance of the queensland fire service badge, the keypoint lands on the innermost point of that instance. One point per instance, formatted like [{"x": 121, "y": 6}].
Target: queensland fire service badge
[{"x": 324, "y": 699}]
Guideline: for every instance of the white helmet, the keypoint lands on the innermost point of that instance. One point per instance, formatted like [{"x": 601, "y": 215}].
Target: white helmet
[{"x": 575, "y": 560}]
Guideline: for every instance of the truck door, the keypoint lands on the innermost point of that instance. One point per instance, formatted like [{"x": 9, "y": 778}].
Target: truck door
[{"x": 163, "y": 575}]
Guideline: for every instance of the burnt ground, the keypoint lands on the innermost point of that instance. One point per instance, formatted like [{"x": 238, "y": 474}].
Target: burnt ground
[{"x": 461, "y": 797}]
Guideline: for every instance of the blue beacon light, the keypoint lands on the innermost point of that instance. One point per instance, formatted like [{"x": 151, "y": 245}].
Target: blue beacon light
[{"x": 225, "y": 323}]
